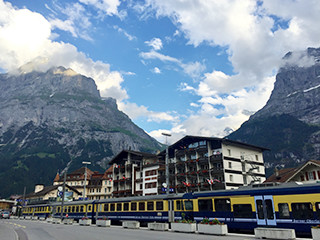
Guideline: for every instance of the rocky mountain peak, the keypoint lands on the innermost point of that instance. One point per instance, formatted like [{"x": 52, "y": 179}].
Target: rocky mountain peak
[
  {"x": 53, "y": 119},
  {"x": 297, "y": 87}
]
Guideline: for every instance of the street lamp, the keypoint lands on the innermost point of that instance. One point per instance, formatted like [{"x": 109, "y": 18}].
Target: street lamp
[
  {"x": 63, "y": 190},
  {"x": 85, "y": 179},
  {"x": 167, "y": 162}
]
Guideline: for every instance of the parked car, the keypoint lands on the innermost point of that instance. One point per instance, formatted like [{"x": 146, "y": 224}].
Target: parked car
[{"x": 5, "y": 214}]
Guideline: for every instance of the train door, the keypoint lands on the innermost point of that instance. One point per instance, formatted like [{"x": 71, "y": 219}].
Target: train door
[
  {"x": 170, "y": 211},
  {"x": 265, "y": 210}
]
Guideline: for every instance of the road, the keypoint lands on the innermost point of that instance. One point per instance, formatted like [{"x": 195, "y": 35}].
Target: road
[{"x": 39, "y": 230}]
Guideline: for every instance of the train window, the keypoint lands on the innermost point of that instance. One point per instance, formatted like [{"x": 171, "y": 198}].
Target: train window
[
  {"x": 112, "y": 207},
  {"x": 133, "y": 206},
  {"x": 159, "y": 205},
  {"x": 73, "y": 208},
  {"x": 302, "y": 211},
  {"x": 69, "y": 209},
  {"x": 81, "y": 208},
  {"x": 59, "y": 209},
  {"x": 284, "y": 210},
  {"x": 126, "y": 206},
  {"x": 260, "y": 212},
  {"x": 318, "y": 209},
  {"x": 119, "y": 207},
  {"x": 222, "y": 205},
  {"x": 242, "y": 210},
  {"x": 106, "y": 207},
  {"x": 150, "y": 206},
  {"x": 89, "y": 208},
  {"x": 269, "y": 208},
  {"x": 205, "y": 205},
  {"x": 141, "y": 206},
  {"x": 77, "y": 208},
  {"x": 188, "y": 205},
  {"x": 64, "y": 209},
  {"x": 178, "y": 205}
]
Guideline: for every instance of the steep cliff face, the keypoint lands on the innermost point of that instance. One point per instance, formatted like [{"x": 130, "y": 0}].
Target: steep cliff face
[
  {"x": 297, "y": 87},
  {"x": 289, "y": 123},
  {"x": 57, "y": 118}
]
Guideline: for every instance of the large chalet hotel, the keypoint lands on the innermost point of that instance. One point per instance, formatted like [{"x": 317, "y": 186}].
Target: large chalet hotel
[{"x": 195, "y": 164}]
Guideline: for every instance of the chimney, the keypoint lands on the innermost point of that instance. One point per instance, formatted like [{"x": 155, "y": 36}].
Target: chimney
[{"x": 38, "y": 188}]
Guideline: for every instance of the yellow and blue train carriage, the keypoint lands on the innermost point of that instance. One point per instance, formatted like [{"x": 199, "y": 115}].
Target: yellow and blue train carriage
[
  {"x": 37, "y": 210},
  {"x": 143, "y": 208},
  {"x": 284, "y": 206},
  {"x": 74, "y": 209}
]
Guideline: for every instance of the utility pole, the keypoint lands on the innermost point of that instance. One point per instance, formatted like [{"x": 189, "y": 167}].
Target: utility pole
[
  {"x": 63, "y": 191},
  {"x": 167, "y": 162},
  {"x": 85, "y": 179}
]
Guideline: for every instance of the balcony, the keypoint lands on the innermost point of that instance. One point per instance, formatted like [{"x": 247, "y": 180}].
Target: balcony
[
  {"x": 192, "y": 172},
  {"x": 216, "y": 171},
  {"x": 122, "y": 191},
  {"x": 202, "y": 159},
  {"x": 216, "y": 158}
]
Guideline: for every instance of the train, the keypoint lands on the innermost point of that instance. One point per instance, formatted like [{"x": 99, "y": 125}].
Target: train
[{"x": 292, "y": 205}]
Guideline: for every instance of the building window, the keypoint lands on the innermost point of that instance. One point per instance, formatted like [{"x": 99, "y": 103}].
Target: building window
[
  {"x": 230, "y": 164},
  {"x": 311, "y": 177},
  {"x": 257, "y": 157},
  {"x": 231, "y": 178},
  {"x": 229, "y": 152}
]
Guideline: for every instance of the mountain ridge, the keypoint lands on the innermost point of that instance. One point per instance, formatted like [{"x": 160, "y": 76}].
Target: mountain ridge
[{"x": 58, "y": 117}]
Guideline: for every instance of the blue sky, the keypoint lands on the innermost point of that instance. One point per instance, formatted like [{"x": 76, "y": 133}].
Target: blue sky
[{"x": 191, "y": 67}]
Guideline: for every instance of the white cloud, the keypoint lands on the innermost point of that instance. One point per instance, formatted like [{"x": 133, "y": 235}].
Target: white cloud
[
  {"x": 245, "y": 28},
  {"x": 25, "y": 37},
  {"x": 109, "y": 7},
  {"x": 77, "y": 20},
  {"x": 193, "y": 69},
  {"x": 125, "y": 33},
  {"x": 155, "y": 43},
  {"x": 156, "y": 70},
  {"x": 135, "y": 112},
  {"x": 156, "y": 55}
]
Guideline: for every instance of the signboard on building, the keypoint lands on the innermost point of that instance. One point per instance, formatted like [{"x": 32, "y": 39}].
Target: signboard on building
[{"x": 68, "y": 196}]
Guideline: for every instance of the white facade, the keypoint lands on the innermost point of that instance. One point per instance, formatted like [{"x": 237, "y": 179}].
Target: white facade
[
  {"x": 242, "y": 166},
  {"x": 150, "y": 180}
]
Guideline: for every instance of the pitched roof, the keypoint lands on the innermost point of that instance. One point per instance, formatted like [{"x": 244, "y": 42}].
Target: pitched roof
[
  {"x": 77, "y": 175},
  {"x": 57, "y": 177},
  {"x": 48, "y": 189},
  {"x": 286, "y": 174},
  {"x": 282, "y": 176},
  {"x": 298, "y": 169}
]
